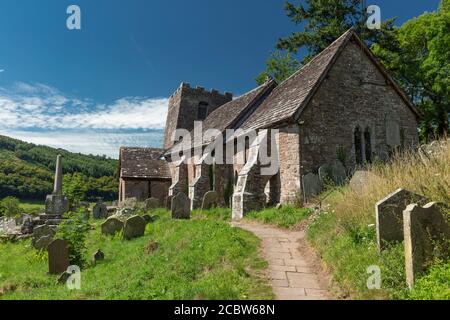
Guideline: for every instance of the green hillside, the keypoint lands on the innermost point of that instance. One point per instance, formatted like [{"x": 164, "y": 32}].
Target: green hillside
[{"x": 26, "y": 171}]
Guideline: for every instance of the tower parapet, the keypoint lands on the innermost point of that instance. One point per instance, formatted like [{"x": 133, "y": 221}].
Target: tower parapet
[{"x": 187, "y": 105}]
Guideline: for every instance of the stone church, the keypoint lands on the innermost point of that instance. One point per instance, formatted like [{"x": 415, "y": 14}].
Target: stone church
[{"x": 342, "y": 106}]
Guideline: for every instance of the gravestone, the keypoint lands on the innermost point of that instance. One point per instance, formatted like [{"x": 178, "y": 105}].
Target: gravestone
[
  {"x": 335, "y": 171},
  {"x": 389, "y": 216},
  {"x": 210, "y": 200},
  {"x": 111, "y": 226},
  {"x": 134, "y": 228},
  {"x": 311, "y": 186},
  {"x": 100, "y": 211},
  {"x": 58, "y": 257},
  {"x": 181, "y": 206},
  {"x": 43, "y": 242},
  {"x": 98, "y": 256},
  {"x": 42, "y": 231},
  {"x": 148, "y": 218},
  {"x": 360, "y": 180},
  {"x": 423, "y": 229},
  {"x": 151, "y": 203}
]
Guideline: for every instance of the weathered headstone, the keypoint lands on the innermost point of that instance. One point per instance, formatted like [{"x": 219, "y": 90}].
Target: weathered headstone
[
  {"x": 210, "y": 200},
  {"x": 134, "y": 228},
  {"x": 311, "y": 186},
  {"x": 111, "y": 226},
  {"x": 99, "y": 211},
  {"x": 361, "y": 179},
  {"x": 151, "y": 203},
  {"x": 335, "y": 171},
  {"x": 58, "y": 257},
  {"x": 181, "y": 206},
  {"x": 98, "y": 256},
  {"x": 42, "y": 231},
  {"x": 148, "y": 218},
  {"x": 389, "y": 216},
  {"x": 57, "y": 203},
  {"x": 43, "y": 242},
  {"x": 423, "y": 228}
]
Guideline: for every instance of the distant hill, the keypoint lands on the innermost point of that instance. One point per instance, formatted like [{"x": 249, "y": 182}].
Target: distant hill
[{"x": 27, "y": 170}]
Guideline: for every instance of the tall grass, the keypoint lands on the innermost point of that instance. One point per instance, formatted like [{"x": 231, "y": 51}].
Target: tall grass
[
  {"x": 344, "y": 232},
  {"x": 407, "y": 171}
]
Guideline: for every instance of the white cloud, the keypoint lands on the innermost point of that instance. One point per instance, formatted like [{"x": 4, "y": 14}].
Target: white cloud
[
  {"x": 40, "y": 106},
  {"x": 36, "y": 112}
]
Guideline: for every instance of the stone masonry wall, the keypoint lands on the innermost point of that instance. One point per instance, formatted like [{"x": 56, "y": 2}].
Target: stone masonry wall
[
  {"x": 354, "y": 94},
  {"x": 184, "y": 105},
  {"x": 138, "y": 189},
  {"x": 289, "y": 159}
]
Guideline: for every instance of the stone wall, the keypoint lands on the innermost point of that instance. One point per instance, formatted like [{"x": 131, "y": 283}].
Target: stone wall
[
  {"x": 159, "y": 190},
  {"x": 144, "y": 189},
  {"x": 184, "y": 107},
  {"x": 289, "y": 159},
  {"x": 355, "y": 94},
  {"x": 138, "y": 189}
]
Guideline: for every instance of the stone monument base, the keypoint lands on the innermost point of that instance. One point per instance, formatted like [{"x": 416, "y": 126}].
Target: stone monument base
[{"x": 56, "y": 204}]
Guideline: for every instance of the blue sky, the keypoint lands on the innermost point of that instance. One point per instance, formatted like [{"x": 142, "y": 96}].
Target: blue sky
[{"x": 106, "y": 85}]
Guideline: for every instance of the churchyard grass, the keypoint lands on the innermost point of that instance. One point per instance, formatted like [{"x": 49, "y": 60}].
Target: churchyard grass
[
  {"x": 285, "y": 217},
  {"x": 344, "y": 232},
  {"x": 188, "y": 259},
  {"x": 32, "y": 207}
]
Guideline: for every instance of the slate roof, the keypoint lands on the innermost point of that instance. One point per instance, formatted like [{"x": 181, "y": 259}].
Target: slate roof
[
  {"x": 143, "y": 163},
  {"x": 292, "y": 94},
  {"x": 229, "y": 114},
  {"x": 290, "y": 98}
]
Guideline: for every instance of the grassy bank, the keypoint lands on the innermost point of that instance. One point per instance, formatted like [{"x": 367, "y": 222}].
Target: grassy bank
[
  {"x": 285, "y": 217},
  {"x": 345, "y": 236},
  {"x": 196, "y": 259}
]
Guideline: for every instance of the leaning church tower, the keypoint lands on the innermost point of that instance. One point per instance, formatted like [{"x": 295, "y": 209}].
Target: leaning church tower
[{"x": 187, "y": 105}]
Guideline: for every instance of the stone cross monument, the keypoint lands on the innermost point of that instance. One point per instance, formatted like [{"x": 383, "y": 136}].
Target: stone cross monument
[{"x": 56, "y": 203}]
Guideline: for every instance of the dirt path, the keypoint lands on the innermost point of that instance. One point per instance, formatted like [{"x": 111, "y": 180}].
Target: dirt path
[{"x": 293, "y": 268}]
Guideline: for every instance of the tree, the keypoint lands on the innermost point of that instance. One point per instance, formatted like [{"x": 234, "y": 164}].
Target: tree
[
  {"x": 279, "y": 66},
  {"x": 10, "y": 207},
  {"x": 419, "y": 60},
  {"x": 323, "y": 21},
  {"x": 75, "y": 188}
]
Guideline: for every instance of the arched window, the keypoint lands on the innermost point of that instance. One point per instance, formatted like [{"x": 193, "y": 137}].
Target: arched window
[
  {"x": 368, "y": 145},
  {"x": 358, "y": 146},
  {"x": 202, "y": 111}
]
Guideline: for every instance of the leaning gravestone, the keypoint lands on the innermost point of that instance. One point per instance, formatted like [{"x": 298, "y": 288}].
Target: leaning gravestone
[
  {"x": 134, "y": 228},
  {"x": 311, "y": 186},
  {"x": 40, "y": 232},
  {"x": 424, "y": 228},
  {"x": 151, "y": 203},
  {"x": 58, "y": 257},
  {"x": 43, "y": 242},
  {"x": 334, "y": 171},
  {"x": 100, "y": 211},
  {"x": 389, "y": 216},
  {"x": 111, "y": 226},
  {"x": 181, "y": 206},
  {"x": 210, "y": 200}
]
